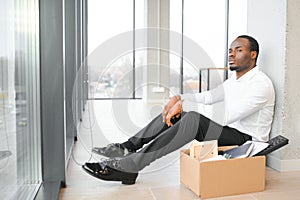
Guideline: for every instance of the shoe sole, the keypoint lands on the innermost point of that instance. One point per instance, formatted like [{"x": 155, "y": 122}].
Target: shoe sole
[{"x": 124, "y": 181}]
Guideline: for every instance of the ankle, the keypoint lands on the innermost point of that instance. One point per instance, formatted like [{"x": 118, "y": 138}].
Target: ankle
[{"x": 129, "y": 146}]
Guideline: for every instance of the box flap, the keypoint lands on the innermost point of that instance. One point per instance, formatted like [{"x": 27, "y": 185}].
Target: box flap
[{"x": 204, "y": 150}]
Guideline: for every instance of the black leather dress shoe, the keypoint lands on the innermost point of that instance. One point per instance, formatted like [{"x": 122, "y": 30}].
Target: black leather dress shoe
[
  {"x": 105, "y": 172},
  {"x": 112, "y": 150}
]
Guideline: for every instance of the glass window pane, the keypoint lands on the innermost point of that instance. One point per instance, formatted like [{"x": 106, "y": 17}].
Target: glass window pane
[
  {"x": 116, "y": 79},
  {"x": 20, "y": 148},
  {"x": 175, "y": 45},
  {"x": 140, "y": 46},
  {"x": 107, "y": 23},
  {"x": 208, "y": 34},
  {"x": 237, "y": 20}
]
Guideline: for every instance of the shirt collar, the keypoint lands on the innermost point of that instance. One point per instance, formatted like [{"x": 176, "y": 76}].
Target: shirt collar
[{"x": 248, "y": 75}]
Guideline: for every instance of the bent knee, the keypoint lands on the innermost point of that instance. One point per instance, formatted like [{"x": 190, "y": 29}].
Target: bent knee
[{"x": 192, "y": 114}]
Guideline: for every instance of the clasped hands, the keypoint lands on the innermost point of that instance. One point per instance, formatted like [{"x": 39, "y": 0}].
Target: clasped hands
[{"x": 172, "y": 109}]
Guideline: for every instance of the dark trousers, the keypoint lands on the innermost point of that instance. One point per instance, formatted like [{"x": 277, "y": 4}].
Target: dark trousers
[{"x": 163, "y": 140}]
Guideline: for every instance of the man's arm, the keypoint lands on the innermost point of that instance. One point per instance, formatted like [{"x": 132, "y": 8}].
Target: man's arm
[{"x": 207, "y": 97}]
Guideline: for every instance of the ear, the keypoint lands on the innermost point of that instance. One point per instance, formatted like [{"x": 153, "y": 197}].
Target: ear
[{"x": 253, "y": 54}]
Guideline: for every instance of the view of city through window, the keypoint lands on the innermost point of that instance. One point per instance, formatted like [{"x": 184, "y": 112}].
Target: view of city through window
[{"x": 121, "y": 76}]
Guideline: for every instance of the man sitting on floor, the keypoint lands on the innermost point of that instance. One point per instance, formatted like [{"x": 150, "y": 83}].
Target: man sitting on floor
[{"x": 248, "y": 96}]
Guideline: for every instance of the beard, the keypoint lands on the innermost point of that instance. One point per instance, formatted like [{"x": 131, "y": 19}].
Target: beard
[{"x": 238, "y": 68}]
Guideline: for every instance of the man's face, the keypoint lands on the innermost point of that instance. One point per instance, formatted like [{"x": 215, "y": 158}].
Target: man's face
[{"x": 240, "y": 56}]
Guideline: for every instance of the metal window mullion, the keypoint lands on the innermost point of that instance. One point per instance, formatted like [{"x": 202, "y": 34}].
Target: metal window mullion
[
  {"x": 37, "y": 95},
  {"x": 75, "y": 88},
  {"x": 29, "y": 84},
  {"x": 226, "y": 37},
  {"x": 181, "y": 59},
  {"x": 200, "y": 81},
  {"x": 28, "y": 88},
  {"x": 34, "y": 96},
  {"x": 133, "y": 58},
  {"x": 32, "y": 86},
  {"x": 208, "y": 72}
]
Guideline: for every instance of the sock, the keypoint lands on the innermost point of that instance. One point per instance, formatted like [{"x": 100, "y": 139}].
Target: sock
[{"x": 128, "y": 145}]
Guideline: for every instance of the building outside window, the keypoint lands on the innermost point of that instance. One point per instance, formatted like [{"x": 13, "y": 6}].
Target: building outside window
[{"x": 20, "y": 148}]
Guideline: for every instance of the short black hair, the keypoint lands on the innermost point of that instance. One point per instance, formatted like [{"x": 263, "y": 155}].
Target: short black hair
[{"x": 253, "y": 43}]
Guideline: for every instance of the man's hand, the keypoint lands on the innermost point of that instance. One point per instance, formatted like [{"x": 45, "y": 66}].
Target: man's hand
[
  {"x": 169, "y": 105},
  {"x": 175, "y": 111}
]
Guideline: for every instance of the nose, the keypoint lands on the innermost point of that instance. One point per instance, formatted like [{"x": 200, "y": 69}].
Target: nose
[{"x": 231, "y": 54}]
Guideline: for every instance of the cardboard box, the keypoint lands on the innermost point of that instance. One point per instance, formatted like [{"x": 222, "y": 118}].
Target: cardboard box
[{"x": 222, "y": 177}]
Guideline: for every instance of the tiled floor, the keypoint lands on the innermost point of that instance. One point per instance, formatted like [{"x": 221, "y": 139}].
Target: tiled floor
[{"x": 115, "y": 122}]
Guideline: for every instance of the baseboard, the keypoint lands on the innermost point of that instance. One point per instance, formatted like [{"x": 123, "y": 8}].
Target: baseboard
[
  {"x": 49, "y": 190},
  {"x": 283, "y": 165}
]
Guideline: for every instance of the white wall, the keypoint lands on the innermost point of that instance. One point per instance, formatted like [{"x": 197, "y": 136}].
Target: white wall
[
  {"x": 273, "y": 24},
  {"x": 291, "y": 118}
]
